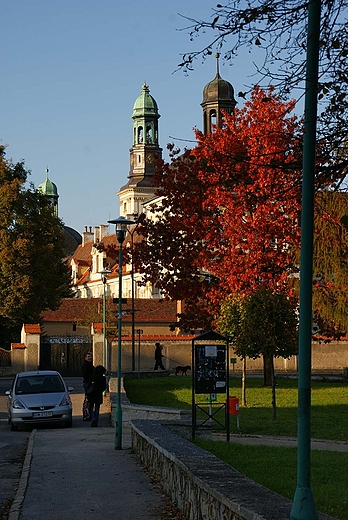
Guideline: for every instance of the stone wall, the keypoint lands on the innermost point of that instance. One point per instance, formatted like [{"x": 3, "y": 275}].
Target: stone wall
[
  {"x": 325, "y": 357},
  {"x": 203, "y": 486}
]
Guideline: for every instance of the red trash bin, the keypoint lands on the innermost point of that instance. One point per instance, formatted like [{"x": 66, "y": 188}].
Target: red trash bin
[{"x": 234, "y": 405}]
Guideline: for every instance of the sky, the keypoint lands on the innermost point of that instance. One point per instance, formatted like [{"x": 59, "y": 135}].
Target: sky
[{"x": 71, "y": 71}]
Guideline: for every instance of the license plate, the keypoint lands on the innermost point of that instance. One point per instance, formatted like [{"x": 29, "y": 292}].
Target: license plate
[{"x": 42, "y": 414}]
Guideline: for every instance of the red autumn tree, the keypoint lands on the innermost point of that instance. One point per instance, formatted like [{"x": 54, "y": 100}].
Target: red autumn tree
[{"x": 229, "y": 208}]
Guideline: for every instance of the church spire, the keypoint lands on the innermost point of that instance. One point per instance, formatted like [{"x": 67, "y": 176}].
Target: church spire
[
  {"x": 144, "y": 153},
  {"x": 49, "y": 189},
  {"x": 218, "y": 95}
]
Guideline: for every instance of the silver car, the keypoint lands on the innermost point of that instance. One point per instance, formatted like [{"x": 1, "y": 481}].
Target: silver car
[{"x": 39, "y": 397}]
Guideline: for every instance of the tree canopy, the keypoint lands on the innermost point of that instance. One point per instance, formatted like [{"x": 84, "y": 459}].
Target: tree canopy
[
  {"x": 33, "y": 273},
  {"x": 278, "y": 30},
  {"x": 227, "y": 221},
  {"x": 330, "y": 284}
]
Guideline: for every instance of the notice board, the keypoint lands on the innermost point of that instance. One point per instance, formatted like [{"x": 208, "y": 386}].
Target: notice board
[{"x": 210, "y": 369}]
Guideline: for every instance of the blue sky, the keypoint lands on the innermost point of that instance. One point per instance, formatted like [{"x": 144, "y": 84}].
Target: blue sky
[{"x": 71, "y": 71}]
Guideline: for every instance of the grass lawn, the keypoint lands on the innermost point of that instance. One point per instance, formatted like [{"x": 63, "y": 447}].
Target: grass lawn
[{"x": 275, "y": 468}]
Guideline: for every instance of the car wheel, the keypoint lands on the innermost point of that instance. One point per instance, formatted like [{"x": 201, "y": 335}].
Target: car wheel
[
  {"x": 68, "y": 424},
  {"x": 14, "y": 427}
]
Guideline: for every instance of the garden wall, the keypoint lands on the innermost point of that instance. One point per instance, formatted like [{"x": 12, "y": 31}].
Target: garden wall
[{"x": 204, "y": 487}]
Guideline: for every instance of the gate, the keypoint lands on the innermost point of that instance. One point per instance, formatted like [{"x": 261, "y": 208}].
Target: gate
[{"x": 64, "y": 353}]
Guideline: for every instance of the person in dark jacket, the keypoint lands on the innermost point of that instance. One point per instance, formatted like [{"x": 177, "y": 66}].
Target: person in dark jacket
[
  {"x": 87, "y": 369},
  {"x": 158, "y": 357},
  {"x": 95, "y": 389}
]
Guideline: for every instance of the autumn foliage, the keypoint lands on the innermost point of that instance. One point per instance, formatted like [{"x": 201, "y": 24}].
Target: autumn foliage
[{"x": 230, "y": 208}]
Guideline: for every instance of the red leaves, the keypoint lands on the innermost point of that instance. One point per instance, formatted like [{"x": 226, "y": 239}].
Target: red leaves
[{"x": 230, "y": 206}]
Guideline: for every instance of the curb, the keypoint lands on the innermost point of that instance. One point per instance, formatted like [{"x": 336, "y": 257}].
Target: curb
[{"x": 23, "y": 482}]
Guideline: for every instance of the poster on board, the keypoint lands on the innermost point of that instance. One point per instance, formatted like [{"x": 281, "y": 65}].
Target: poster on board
[{"x": 210, "y": 369}]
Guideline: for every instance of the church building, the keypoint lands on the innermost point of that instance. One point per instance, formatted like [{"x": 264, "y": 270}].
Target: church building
[{"x": 90, "y": 257}]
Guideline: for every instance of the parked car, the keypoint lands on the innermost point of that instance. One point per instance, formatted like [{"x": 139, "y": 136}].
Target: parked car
[{"x": 39, "y": 397}]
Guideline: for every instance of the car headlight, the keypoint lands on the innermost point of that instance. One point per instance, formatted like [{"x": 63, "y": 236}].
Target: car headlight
[
  {"x": 65, "y": 401},
  {"x": 18, "y": 405}
]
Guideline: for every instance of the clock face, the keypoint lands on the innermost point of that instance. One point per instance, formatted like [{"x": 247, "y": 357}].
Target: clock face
[{"x": 150, "y": 158}]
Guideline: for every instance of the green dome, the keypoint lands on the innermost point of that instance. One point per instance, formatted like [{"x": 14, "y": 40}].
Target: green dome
[
  {"x": 145, "y": 104},
  {"x": 48, "y": 188}
]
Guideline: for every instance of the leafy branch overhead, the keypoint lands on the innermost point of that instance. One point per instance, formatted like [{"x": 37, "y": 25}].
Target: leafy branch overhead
[{"x": 277, "y": 31}]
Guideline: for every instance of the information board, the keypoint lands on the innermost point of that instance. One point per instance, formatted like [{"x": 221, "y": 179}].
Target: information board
[{"x": 210, "y": 369}]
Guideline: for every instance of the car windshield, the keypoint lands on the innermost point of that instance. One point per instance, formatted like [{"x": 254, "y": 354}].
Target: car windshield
[{"x": 39, "y": 384}]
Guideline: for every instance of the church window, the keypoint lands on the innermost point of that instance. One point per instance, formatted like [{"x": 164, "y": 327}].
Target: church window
[
  {"x": 148, "y": 134},
  {"x": 213, "y": 120},
  {"x": 140, "y": 135},
  {"x": 139, "y": 158}
]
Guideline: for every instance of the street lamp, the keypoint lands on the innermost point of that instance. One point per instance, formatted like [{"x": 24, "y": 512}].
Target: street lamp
[
  {"x": 132, "y": 292},
  {"x": 121, "y": 224},
  {"x": 104, "y": 274},
  {"x": 139, "y": 332}
]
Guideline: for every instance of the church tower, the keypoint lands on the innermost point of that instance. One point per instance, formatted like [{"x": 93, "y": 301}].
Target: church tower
[
  {"x": 49, "y": 189},
  {"x": 218, "y": 95},
  {"x": 143, "y": 155}
]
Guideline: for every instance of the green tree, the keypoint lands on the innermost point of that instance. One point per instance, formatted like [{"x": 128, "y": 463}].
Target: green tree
[
  {"x": 330, "y": 267},
  {"x": 33, "y": 272},
  {"x": 230, "y": 325},
  {"x": 264, "y": 323}
]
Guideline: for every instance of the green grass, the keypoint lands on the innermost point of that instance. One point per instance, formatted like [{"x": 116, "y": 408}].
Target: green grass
[
  {"x": 329, "y": 474},
  {"x": 274, "y": 467},
  {"x": 329, "y": 404}
]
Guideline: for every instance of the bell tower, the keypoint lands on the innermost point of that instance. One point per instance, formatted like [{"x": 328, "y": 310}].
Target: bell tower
[
  {"x": 218, "y": 95},
  {"x": 49, "y": 189},
  {"x": 143, "y": 155}
]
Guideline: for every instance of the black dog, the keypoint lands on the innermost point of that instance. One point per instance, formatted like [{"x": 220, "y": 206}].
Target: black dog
[{"x": 182, "y": 369}]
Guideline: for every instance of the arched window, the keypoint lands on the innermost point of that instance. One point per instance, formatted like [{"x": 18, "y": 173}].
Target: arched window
[
  {"x": 213, "y": 120},
  {"x": 140, "y": 135}
]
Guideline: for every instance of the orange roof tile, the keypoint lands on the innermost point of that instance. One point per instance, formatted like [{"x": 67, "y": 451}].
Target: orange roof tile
[
  {"x": 32, "y": 328},
  {"x": 160, "y": 337},
  {"x": 145, "y": 310},
  {"x": 98, "y": 327},
  {"x": 84, "y": 278},
  {"x": 74, "y": 309},
  {"x": 17, "y": 345}
]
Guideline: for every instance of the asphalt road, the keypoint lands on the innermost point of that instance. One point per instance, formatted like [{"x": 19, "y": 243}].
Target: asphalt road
[{"x": 13, "y": 444}]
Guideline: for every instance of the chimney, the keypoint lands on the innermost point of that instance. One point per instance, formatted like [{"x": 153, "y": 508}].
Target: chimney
[{"x": 87, "y": 236}]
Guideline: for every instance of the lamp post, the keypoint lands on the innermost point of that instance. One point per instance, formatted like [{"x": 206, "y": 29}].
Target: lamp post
[
  {"x": 303, "y": 507},
  {"x": 139, "y": 332},
  {"x": 132, "y": 292},
  {"x": 104, "y": 274},
  {"x": 121, "y": 224}
]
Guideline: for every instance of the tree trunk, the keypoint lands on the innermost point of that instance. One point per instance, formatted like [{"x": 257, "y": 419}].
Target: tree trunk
[
  {"x": 244, "y": 382},
  {"x": 267, "y": 370},
  {"x": 274, "y": 404}
]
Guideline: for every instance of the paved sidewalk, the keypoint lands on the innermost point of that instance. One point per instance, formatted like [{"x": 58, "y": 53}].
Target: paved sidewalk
[{"x": 76, "y": 473}]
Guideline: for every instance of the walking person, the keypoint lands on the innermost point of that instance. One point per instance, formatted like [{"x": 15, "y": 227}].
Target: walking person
[
  {"x": 158, "y": 357},
  {"x": 87, "y": 371},
  {"x": 95, "y": 389}
]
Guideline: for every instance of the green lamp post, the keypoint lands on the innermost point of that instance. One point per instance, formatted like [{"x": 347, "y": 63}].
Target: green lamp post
[
  {"x": 303, "y": 507},
  {"x": 104, "y": 274},
  {"x": 121, "y": 224}
]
